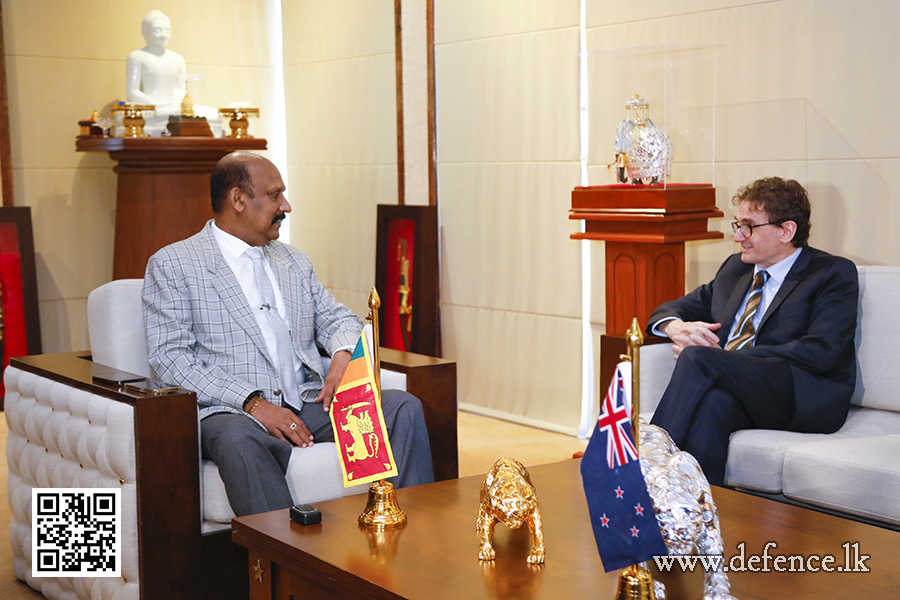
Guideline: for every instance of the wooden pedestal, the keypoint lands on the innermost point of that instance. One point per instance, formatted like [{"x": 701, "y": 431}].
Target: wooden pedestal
[
  {"x": 645, "y": 228},
  {"x": 163, "y": 191}
]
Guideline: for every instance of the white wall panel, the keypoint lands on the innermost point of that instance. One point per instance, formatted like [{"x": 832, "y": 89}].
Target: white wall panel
[
  {"x": 466, "y": 20},
  {"x": 508, "y": 150},
  {"x": 340, "y": 96},
  {"x": 47, "y": 98},
  {"x": 796, "y": 83},
  {"x": 510, "y": 98},
  {"x": 342, "y": 112},
  {"x": 333, "y": 220},
  {"x": 63, "y": 325},
  {"x": 71, "y": 209},
  {"x": 506, "y": 239},
  {"x": 602, "y": 12},
  {"x": 523, "y": 365},
  {"x": 325, "y": 30}
]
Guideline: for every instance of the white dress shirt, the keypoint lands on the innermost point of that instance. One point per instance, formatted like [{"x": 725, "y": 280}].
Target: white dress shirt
[{"x": 234, "y": 250}]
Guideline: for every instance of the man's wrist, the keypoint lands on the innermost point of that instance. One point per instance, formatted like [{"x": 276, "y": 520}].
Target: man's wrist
[
  {"x": 252, "y": 402},
  {"x": 659, "y": 328}
]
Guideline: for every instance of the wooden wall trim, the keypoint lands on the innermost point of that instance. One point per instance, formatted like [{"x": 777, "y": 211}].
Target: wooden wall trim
[
  {"x": 431, "y": 116},
  {"x": 398, "y": 68},
  {"x": 6, "y": 180},
  {"x": 432, "y": 121}
]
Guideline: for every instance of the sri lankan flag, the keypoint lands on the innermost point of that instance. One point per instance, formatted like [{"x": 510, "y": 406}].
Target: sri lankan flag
[{"x": 358, "y": 423}]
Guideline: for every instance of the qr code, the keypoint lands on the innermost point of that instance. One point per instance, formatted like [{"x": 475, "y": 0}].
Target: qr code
[{"x": 76, "y": 532}]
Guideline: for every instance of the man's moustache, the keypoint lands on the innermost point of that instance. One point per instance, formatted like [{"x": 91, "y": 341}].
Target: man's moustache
[{"x": 278, "y": 218}]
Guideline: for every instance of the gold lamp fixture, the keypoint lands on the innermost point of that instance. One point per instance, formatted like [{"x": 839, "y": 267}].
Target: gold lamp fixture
[
  {"x": 382, "y": 510},
  {"x": 238, "y": 122},
  {"x": 133, "y": 118}
]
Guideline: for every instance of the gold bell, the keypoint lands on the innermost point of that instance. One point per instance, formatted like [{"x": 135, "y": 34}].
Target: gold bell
[
  {"x": 635, "y": 583},
  {"x": 382, "y": 511}
]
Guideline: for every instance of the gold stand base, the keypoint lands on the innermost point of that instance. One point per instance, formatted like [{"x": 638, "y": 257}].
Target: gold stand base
[
  {"x": 239, "y": 128},
  {"x": 382, "y": 511},
  {"x": 635, "y": 583}
]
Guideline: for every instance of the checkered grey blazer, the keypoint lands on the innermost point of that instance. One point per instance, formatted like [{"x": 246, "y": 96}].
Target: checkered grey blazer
[{"x": 202, "y": 335}]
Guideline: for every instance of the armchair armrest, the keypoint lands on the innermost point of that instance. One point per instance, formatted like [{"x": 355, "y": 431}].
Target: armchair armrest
[
  {"x": 433, "y": 381},
  {"x": 167, "y": 487}
]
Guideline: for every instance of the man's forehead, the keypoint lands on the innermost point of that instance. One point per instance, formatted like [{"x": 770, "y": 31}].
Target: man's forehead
[
  {"x": 749, "y": 211},
  {"x": 265, "y": 175}
]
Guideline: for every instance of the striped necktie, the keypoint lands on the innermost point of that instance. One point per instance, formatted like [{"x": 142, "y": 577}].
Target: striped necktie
[{"x": 745, "y": 331}]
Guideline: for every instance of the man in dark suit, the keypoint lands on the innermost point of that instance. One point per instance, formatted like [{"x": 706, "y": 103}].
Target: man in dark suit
[{"x": 768, "y": 343}]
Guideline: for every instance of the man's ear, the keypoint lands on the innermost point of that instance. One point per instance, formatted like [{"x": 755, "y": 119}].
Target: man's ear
[
  {"x": 236, "y": 199},
  {"x": 788, "y": 231}
]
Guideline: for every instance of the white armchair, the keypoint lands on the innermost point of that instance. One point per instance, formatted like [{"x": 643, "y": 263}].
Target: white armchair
[{"x": 67, "y": 431}]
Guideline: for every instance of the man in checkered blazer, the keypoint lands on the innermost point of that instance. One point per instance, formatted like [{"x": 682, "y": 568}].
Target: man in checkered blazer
[{"x": 208, "y": 331}]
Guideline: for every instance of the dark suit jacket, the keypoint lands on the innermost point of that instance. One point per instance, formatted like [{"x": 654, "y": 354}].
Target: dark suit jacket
[{"x": 810, "y": 324}]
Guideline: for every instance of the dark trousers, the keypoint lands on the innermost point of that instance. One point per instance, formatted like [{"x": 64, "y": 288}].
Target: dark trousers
[
  {"x": 252, "y": 463},
  {"x": 714, "y": 392}
]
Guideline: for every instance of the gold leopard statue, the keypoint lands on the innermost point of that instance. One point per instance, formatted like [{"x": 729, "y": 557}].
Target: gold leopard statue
[{"x": 508, "y": 497}]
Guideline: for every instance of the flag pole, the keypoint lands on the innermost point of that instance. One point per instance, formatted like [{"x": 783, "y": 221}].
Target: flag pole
[
  {"x": 382, "y": 510},
  {"x": 635, "y": 582},
  {"x": 634, "y": 338},
  {"x": 372, "y": 317}
]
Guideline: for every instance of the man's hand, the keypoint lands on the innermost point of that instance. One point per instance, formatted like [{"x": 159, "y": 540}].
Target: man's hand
[
  {"x": 339, "y": 363},
  {"x": 690, "y": 333},
  {"x": 278, "y": 421}
]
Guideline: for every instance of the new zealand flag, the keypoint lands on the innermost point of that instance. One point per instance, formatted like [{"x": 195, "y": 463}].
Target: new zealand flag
[{"x": 622, "y": 514}]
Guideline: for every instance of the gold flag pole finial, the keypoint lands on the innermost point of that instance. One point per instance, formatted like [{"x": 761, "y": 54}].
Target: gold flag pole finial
[
  {"x": 635, "y": 582},
  {"x": 382, "y": 510},
  {"x": 372, "y": 317}
]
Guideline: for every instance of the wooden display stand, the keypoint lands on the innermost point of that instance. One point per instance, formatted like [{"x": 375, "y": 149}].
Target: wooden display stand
[
  {"x": 163, "y": 191},
  {"x": 645, "y": 228}
]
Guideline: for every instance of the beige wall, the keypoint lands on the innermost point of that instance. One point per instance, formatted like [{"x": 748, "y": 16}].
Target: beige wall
[
  {"x": 508, "y": 148},
  {"x": 342, "y": 141},
  {"x": 65, "y": 59}
]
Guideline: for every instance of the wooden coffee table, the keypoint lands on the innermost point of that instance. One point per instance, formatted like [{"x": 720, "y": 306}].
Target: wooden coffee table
[{"x": 436, "y": 555}]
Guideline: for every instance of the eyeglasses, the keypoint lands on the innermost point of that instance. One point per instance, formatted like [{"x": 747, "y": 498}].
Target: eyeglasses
[{"x": 747, "y": 230}]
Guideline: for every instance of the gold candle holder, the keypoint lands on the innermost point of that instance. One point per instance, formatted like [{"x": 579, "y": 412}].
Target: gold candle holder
[
  {"x": 238, "y": 122},
  {"x": 133, "y": 118},
  {"x": 382, "y": 510}
]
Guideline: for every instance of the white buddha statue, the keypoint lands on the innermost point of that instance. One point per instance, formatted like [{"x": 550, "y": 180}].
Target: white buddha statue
[{"x": 158, "y": 76}]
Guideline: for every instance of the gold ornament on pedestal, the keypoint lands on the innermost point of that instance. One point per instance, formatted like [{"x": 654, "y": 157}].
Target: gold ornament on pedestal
[
  {"x": 133, "y": 118},
  {"x": 238, "y": 122}
]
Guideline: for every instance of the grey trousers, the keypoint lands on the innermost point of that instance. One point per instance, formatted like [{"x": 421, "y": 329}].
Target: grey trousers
[{"x": 252, "y": 463}]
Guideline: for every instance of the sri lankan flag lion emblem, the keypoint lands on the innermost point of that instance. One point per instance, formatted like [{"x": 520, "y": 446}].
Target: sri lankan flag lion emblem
[{"x": 358, "y": 423}]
